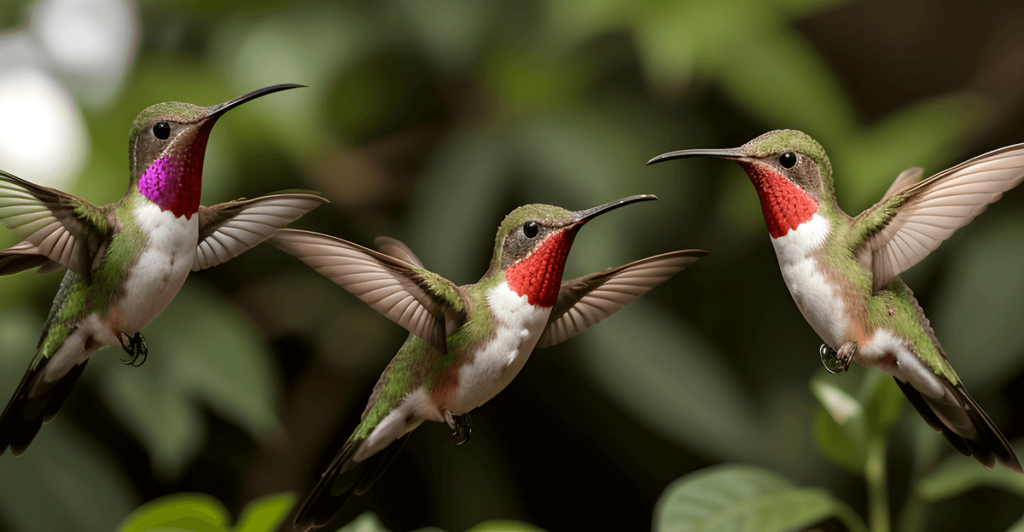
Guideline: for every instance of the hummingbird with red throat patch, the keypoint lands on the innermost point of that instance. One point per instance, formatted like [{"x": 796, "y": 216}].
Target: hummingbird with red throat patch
[
  {"x": 467, "y": 343},
  {"x": 125, "y": 261},
  {"x": 842, "y": 271}
]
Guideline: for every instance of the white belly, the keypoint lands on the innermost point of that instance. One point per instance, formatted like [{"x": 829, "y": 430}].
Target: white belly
[
  {"x": 517, "y": 327},
  {"x": 812, "y": 294},
  {"x": 161, "y": 268}
]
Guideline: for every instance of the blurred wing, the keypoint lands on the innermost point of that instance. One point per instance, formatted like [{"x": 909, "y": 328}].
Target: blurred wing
[
  {"x": 900, "y": 231},
  {"x": 229, "y": 229},
  {"x": 588, "y": 300},
  {"x": 62, "y": 227},
  {"x": 422, "y": 302},
  {"x": 397, "y": 249}
]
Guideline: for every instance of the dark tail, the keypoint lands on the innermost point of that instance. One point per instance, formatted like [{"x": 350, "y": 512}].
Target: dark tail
[
  {"x": 964, "y": 424},
  {"x": 344, "y": 478},
  {"x": 35, "y": 403}
]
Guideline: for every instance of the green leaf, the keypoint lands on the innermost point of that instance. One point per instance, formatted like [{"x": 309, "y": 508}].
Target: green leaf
[
  {"x": 847, "y": 421},
  {"x": 959, "y": 474},
  {"x": 742, "y": 497},
  {"x": 198, "y": 512},
  {"x": 884, "y": 402},
  {"x": 195, "y": 512},
  {"x": 202, "y": 353},
  {"x": 265, "y": 514},
  {"x": 840, "y": 429},
  {"x": 837, "y": 444},
  {"x": 504, "y": 526},
  {"x": 369, "y": 522},
  {"x": 1017, "y": 527},
  {"x": 64, "y": 481}
]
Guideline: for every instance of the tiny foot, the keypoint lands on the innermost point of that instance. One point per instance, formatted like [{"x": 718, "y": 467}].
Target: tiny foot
[
  {"x": 460, "y": 425},
  {"x": 136, "y": 347},
  {"x": 837, "y": 361}
]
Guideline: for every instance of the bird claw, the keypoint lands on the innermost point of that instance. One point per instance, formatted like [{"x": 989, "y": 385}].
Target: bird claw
[
  {"x": 837, "y": 361},
  {"x": 136, "y": 347},
  {"x": 459, "y": 424}
]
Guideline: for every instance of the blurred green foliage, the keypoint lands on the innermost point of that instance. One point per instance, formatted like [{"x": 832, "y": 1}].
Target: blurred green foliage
[
  {"x": 197, "y": 512},
  {"x": 428, "y": 121}
]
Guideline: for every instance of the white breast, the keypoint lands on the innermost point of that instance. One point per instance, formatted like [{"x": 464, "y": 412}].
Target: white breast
[
  {"x": 813, "y": 295},
  {"x": 162, "y": 265},
  {"x": 517, "y": 327}
]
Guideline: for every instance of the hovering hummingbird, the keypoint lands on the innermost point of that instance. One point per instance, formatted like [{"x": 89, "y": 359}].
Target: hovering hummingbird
[
  {"x": 842, "y": 271},
  {"x": 467, "y": 342},
  {"x": 127, "y": 260}
]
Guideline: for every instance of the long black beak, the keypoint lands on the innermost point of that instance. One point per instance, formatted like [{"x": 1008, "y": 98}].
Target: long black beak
[
  {"x": 589, "y": 214},
  {"x": 221, "y": 108},
  {"x": 731, "y": 153}
]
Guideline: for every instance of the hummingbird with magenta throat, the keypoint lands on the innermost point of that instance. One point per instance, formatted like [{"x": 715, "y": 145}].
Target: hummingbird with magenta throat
[
  {"x": 842, "y": 271},
  {"x": 467, "y": 343},
  {"x": 125, "y": 261}
]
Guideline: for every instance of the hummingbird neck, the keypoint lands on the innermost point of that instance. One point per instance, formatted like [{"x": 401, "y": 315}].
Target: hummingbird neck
[
  {"x": 785, "y": 205},
  {"x": 539, "y": 276},
  {"x": 174, "y": 181}
]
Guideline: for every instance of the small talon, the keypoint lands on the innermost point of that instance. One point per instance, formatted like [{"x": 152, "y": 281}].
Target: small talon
[
  {"x": 460, "y": 425},
  {"x": 136, "y": 347},
  {"x": 830, "y": 360},
  {"x": 837, "y": 361}
]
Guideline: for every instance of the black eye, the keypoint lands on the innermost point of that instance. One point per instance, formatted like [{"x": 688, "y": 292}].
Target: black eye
[
  {"x": 162, "y": 130},
  {"x": 530, "y": 229},
  {"x": 788, "y": 159}
]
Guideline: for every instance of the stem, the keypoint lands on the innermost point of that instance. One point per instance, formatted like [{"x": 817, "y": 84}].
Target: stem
[
  {"x": 878, "y": 493},
  {"x": 849, "y": 517},
  {"x": 913, "y": 513}
]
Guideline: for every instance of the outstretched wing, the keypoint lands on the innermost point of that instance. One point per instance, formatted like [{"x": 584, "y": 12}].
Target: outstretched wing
[
  {"x": 66, "y": 229},
  {"x": 900, "y": 231},
  {"x": 422, "y": 302},
  {"x": 228, "y": 229},
  {"x": 584, "y": 302}
]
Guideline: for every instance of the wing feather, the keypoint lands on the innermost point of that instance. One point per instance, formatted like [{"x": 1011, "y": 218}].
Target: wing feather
[
  {"x": 584, "y": 302},
  {"x": 418, "y": 300},
  {"x": 229, "y": 229},
  {"x": 907, "y": 225}
]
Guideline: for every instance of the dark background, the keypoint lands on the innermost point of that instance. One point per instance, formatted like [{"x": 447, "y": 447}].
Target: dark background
[{"x": 429, "y": 121}]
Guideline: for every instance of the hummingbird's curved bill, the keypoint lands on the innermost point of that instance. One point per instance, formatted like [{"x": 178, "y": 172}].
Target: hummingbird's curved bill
[
  {"x": 842, "y": 271},
  {"x": 467, "y": 342},
  {"x": 221, "y": 108},
  {"x": 126, "y": 261}
]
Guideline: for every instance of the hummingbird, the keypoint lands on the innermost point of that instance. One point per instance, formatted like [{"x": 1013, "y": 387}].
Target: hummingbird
[
  {"x": 466, "y": 343},
  {"x": 125, "y": 261},
  {"x": 843, "y": 272}
]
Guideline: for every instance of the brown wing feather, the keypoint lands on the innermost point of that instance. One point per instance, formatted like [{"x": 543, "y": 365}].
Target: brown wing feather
[
  {"x": 62, "y": 227},
  {"x": 931, "y": 210},
  {"x": 229, "y": 229},
  {"x": 397, "y": 289},
  {"x": 588, "y": 300}
]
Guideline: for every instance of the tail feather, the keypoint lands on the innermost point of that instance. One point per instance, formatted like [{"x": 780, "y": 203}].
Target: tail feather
[
  {"x": 34, "y": 403},
  {"x": 964, "y": 424},
  {"x": 345, "y": 477}
]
